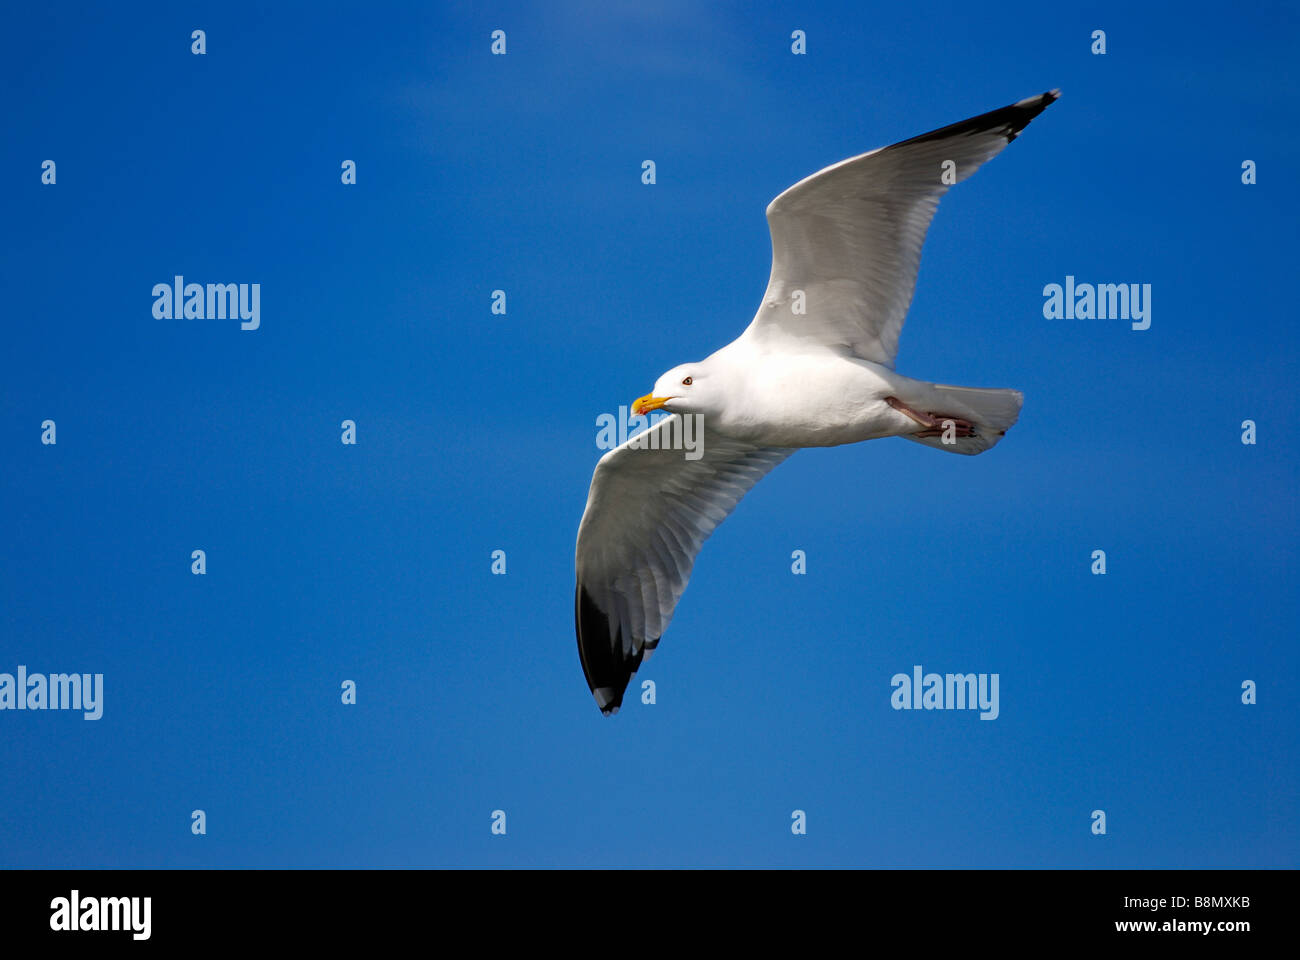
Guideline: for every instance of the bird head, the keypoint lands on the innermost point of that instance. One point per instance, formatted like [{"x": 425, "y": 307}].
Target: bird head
[{"x": 683, "y": 389}]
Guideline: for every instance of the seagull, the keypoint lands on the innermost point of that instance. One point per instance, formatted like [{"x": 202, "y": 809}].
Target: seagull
[{"x": 815, "y": 368}]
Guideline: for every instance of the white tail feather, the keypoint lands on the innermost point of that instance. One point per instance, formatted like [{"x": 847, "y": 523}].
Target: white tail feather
[{"x": 993, "y": 411}]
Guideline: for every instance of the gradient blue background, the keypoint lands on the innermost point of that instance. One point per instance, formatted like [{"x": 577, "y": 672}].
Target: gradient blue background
[{"x": 477, "y": 432}]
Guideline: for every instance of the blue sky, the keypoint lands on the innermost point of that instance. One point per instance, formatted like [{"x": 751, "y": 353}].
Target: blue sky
[{"x": 476, "y": 432}]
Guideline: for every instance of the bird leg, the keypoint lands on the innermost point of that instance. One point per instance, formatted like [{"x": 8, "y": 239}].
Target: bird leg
[{"x": 934, "y": 423}]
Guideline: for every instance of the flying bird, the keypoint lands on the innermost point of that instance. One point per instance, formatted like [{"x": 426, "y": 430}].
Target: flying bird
[{"x": 815, "y": 368}]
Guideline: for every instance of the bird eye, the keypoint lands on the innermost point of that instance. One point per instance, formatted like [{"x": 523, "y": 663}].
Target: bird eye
[{"x": 686, "y": 382}]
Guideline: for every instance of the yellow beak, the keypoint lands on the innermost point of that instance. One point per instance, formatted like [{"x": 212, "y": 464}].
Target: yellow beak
[{"x": 644, "y": 405}]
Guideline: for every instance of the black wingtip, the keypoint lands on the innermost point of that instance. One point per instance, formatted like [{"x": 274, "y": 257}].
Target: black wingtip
[
  {"x": 1019, "y": 114},
  {"x": 607, "y": 668},
  {"x": 1030, "y": 108},
  {"x": 1008, "y": 121}
]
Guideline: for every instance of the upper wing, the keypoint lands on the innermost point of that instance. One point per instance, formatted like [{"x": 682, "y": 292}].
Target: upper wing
[
  {"x": 850, "y": 236},
  {"x": 648, "y": 513}
]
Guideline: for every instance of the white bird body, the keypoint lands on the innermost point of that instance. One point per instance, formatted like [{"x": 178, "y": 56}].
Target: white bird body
[
  {"x": 815, "y": 368},
  {"x": 808, "y": 399}
]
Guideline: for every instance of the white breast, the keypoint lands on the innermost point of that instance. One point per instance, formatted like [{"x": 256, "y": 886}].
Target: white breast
[{"x": 811, "y": 400}]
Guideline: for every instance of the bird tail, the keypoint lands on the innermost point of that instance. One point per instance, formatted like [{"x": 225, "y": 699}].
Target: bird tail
[{"x": 993, "y": 411}]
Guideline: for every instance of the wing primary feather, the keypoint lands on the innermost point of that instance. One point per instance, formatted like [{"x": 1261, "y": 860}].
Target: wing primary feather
[{"x": 607, "y": 669}]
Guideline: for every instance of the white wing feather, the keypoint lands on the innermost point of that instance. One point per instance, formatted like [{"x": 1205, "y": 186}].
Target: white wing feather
[
  {"x": 850, "y": 236},
  {"x": 648, "y": 513}
]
